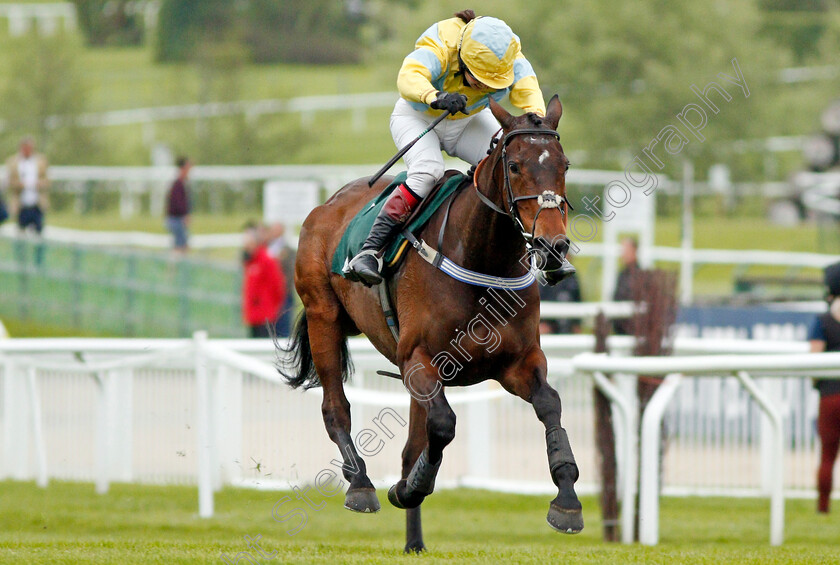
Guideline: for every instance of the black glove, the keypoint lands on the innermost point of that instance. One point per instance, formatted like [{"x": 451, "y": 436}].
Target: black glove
[{"x": 451, "y": 101}]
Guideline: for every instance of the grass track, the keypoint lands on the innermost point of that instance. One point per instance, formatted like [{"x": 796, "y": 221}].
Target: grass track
[{"x": 69, "y": 523}]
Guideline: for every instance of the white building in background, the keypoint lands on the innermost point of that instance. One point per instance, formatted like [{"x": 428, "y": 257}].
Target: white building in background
[{"x": 48, "y": 18}]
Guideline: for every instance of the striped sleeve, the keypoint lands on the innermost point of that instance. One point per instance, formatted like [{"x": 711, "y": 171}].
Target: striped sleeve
[
  {"x": 525, "y": 92},
  {"x": 425, "y": 65}
]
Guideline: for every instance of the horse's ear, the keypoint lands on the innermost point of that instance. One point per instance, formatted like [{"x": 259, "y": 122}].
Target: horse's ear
[
  {"x": 504, "y": 117},
  {"x": 553, "y": 112}
]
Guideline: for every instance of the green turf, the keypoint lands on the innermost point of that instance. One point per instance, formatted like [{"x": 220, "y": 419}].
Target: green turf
[
  {"x": 69, "y": 523},
  {"x": 200, "y": 223},
  {"x": 22, "y": 328},
  {"x": 112, "y": 292}
]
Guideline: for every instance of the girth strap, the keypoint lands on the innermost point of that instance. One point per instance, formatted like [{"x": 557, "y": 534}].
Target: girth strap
[{"x": 388, "y": 310}]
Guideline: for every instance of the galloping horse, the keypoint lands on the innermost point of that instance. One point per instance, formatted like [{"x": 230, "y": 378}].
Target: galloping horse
[{"x": 517, "y": 197}]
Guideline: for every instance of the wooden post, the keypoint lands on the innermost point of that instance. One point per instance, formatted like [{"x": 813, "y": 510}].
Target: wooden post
[
  {"x": 605, "y": 439},
  {"x": 655, "y": 292}
]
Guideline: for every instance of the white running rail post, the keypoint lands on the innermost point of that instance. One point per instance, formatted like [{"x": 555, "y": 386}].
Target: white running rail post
[
  {"x": 203, "y": 440},
  {"x": 650, "y": 452},
  {"x": 777, "y": 484},
  {"x": 627, "y": 417},
  {"x": 103, "y": 426},
  {"x": 37, "y": 429}
]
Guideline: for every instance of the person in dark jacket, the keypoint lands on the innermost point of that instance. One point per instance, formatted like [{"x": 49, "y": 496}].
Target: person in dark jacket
[
  {"x": 178, "y": 207},
  {"x": 624, "y": 283},
  {"x": 264, "y": 286},
  {"x": 825, "y": 336}
]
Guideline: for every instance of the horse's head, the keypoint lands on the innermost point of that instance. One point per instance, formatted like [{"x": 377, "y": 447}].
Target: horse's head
[{"x": 529, "y": 171}]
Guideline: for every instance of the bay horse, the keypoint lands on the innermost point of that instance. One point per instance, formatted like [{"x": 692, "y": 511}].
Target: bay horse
[{"x": 517, "y": 197}]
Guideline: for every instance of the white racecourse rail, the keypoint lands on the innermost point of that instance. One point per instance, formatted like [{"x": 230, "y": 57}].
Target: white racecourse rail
[{"x": 214, "y": 412}]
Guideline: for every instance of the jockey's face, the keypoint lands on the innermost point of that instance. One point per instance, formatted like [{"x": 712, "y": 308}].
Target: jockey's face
[{"x": 474, "y": 82}]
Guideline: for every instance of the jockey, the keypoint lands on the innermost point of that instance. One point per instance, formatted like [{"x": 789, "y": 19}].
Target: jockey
[{"x": 457, "y": 65}]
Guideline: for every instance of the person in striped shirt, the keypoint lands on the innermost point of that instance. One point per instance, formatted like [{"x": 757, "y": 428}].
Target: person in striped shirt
[{"x": 457, "y": 65}]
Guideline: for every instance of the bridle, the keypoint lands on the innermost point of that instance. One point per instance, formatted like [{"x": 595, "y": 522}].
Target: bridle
[{"x": 547, "y": 199}]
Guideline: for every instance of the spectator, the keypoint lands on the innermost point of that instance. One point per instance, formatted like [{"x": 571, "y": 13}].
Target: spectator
[
  {"x": 178, "y": 207},
  {"x": 567, "y": 290},
  {"x": 624, "y": 283},
  {"x": 4, "y": 212},
  {"x": 825, "y": 336},
  {"x": 28, "y": 191},
  {"x": 264, "y": 287},
  {"x": 284, "y": 254}
]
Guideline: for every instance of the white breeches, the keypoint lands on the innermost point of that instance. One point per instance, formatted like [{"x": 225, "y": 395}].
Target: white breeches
[{"x": 466, "y": 138}]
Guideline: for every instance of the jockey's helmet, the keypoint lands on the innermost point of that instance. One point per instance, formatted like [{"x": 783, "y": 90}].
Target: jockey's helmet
[{"x": 488, "y": 49}]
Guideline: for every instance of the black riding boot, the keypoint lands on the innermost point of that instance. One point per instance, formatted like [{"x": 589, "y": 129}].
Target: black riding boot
[{"x": 366, "y": 266}]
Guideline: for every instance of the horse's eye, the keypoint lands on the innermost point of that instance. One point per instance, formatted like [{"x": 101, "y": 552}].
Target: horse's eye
[
  {"x": 514, "y": 168},
  {"x": 568, "y": 166}
]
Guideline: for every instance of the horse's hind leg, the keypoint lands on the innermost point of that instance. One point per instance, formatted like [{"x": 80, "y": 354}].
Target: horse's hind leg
[
  {"x": 327, "y": 341},
  {"x": 528, "y": 381}
]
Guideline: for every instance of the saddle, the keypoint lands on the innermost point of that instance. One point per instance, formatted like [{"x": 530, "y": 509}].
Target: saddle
[{"x": 359, "y": 227}]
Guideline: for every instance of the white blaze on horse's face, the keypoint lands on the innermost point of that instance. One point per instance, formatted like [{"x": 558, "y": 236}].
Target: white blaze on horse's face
[{"x": 543, "y": 157}]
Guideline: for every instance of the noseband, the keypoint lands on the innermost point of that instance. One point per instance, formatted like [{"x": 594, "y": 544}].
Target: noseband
[{"x": 547, "y": 199}]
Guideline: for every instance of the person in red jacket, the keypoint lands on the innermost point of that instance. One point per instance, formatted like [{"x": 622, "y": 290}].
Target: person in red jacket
[{"x": 264, "y": 286}]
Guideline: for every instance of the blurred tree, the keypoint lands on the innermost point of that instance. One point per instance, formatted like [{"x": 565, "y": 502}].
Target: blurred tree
[
  {"x": 297, "y": 31},
  {"x": 184, "y": 24},
  {"x": 44, "y": 93},
  {"x": 111, "y": 22},
  {"x": 797, "y": 24},
  {"x": 220, "y": 67},
  {"x": 626, "y": 70},
  {"x": 304, "y": 31}
]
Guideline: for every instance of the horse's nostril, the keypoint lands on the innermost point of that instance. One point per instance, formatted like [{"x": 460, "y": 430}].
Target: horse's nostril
[{"x": 562, "y": 244}]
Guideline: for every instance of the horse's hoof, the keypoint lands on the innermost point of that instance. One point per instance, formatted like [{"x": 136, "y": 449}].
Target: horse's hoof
[
  {"x": 404, "y": 501},
  {"x": 392, "y": 495},
  {"x": 415, "y": 547},
  {"x": 564, "y": 520},
  {"x": 362, "y": 500}
]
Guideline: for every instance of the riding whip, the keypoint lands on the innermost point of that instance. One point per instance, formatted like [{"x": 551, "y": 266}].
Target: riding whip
[{"x": 405, "y": 149}]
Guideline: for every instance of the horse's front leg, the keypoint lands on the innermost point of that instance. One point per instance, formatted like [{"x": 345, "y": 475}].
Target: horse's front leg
[
  {"x": 421, "y": 380},
  {"x": 528, "y": 381}
]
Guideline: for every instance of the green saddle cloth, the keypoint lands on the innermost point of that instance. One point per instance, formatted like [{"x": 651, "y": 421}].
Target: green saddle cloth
[{"x": 359, "y": 227}]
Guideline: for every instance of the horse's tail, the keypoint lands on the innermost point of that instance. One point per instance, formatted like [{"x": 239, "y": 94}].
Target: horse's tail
[{"x": 295, "y": 361}]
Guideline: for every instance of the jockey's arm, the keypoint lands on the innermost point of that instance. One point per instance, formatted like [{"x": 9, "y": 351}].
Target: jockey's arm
[
  {"x": 416, "y": 74},
  {"x": 525, "y": 92}
]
